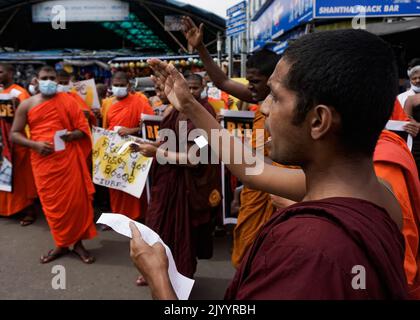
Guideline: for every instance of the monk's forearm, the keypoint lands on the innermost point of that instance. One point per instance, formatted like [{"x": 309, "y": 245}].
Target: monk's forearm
[
  {"x": 258, "y": 174},
  {"x": 180, "y": 159},
  {"x": 161, "y": 288},
  {"x": 78, "y": 134},
  {"x": 135, "y": 130},
  {"x": 224, "y": 143},
  {"x": 215, "y": 73},
  {"x": 21, "y": 139}
]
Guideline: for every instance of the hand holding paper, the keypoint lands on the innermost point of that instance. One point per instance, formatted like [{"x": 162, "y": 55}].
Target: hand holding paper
[
  {"x": 150, "y": 247},
  {"x": 59, "y": 144}
]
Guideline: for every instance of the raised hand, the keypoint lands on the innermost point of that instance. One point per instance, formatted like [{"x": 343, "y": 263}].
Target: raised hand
[
  {"x": 193, "y": 34},
  {"x": 172, "y": 83}
]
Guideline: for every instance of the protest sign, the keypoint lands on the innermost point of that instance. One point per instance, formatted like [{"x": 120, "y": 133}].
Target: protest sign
[
  {"x": 86, "y": 89},
  {"x": 240, "y": 124},
  {"x": 126, "y": 171}
]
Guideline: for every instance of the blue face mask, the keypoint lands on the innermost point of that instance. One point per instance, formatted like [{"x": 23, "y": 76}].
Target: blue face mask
[{"x": 47, "y": 87}]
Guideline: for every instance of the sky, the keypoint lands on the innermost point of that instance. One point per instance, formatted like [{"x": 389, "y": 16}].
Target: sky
[{"x": 217, "y": 6}]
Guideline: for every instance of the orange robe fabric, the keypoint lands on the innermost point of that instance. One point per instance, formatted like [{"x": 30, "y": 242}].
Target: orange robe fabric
[
  {"x": 399, "y": 114},
  {"x": 127, "y": 113},
  {"x": 395, "y": 164},
  {"x": 24, "y": 191},
  {"x": 62, "y": 178},
  {"x": 256, "y": 208}
]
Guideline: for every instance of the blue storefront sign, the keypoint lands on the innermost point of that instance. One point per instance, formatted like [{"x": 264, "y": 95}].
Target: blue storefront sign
[
  {"x": 279, "y": 18},
  {"x": 288, "y": 14},
  {"x": 240, "y": 7},
  {"x": 372, "y": 8},
  {"x": 236, "y": 22}
]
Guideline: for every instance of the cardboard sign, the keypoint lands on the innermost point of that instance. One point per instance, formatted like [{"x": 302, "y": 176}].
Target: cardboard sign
[
  {"x": 240, "y": 124},
  {"x": 126, "y": 171}
]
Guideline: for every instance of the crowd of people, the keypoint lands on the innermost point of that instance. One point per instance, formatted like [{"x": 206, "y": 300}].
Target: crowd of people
[{"x": 336, "y": 190}]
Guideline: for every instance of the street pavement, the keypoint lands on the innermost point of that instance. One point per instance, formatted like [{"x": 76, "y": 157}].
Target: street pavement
[{"x": 112, "y": 276}]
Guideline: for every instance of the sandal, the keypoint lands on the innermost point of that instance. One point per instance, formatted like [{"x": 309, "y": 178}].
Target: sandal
[
  {"x": 28, "y": 220},
  {"x": 88, "y": 259},
  {"x": 51, "y": 257}
]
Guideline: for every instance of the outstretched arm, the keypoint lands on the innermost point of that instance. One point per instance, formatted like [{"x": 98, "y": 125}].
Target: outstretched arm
[
  {"x": 194, "y": 35},
  {"x": 287, "y": 183}
]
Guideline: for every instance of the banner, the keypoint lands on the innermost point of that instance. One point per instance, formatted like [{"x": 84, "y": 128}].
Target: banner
[
  {"x": 81, "y": 10},
  {"x": 372, "y": 8},
  {"x": 87, "y": 90},
  {"x": 240, "y": 124},
  {"x": 115, "y": 165},
  {"x": 150, "y": 126},
  {"x": 7, "y": 112}
]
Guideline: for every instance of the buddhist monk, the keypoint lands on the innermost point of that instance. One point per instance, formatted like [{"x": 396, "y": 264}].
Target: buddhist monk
[
  {"x": 125, "y": 112},
  {"x": 395, "y": 164},
  {"x": 24, "y": 192},
  {"x": 185, "y": 197},
  {"x": 64, "y": 85},
  {"x": 321, "y": 118},
  {"x": 256, "y": 206},
  {"x": 62, "y": 178}
]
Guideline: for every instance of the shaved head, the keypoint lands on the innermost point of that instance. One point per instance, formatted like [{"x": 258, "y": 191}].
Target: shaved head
[
  {"x": 6, "y": 74},
  {"x": 121, "y": 75},
  {"x": 120, "y": 79},
  {"x": 47, "y": 69},
  {"x": 7, "y": 67}
]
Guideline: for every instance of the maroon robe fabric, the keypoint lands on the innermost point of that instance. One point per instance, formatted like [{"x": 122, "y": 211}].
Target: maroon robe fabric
[
  {"x": 173, "y": 212},
  {"x": 308, "y": 251}
]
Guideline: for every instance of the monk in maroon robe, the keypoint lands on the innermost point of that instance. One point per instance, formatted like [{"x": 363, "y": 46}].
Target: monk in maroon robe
[
  {"x": 331, "y": 95},
  {"x": 307, "y": 243},
  {"x": 184, "y": 198}
]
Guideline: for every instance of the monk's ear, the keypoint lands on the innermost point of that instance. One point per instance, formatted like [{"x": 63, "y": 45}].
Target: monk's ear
[{"x": 323, "y": 119}]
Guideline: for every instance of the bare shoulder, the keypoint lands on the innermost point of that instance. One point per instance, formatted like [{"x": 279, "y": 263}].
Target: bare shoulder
[{"x": 29, "y": 103}]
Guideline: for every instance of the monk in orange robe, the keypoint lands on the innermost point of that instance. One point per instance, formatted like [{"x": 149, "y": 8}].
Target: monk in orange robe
[
  {"x": 61, "y": 177},
  {"x": 395, "y": 164},
  {"x": 125, "y": 111},
  {"x": 255, "y": 210},
  {"x": 24, "y": 192},
  {"x": 63, "y": 80}
]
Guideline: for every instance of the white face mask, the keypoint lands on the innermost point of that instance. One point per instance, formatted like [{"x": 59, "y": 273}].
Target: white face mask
[
  {"x": 32, "y": 89},
  {"x": 204, "y": 94},
  {"x": 119, "y": 92},
  {"x": 63, "y": 88},
  {"x": 48, "y": 87},
  {"x": 415, "y": 88}
]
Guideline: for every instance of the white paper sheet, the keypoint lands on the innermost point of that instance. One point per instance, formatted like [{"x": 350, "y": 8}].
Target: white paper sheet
[
  {"x": 59, "y": 144},
  {"x": 201, "y": 141},
  {"x": 394, "y": 125},
  {"x": 126, "y": 145},
  {"x": 120, "y": 223}
]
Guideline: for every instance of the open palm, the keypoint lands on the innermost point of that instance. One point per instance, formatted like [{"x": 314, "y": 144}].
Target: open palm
[
  {"x": 192, "y": 33},
  {"x": 172, "y": 83}
]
